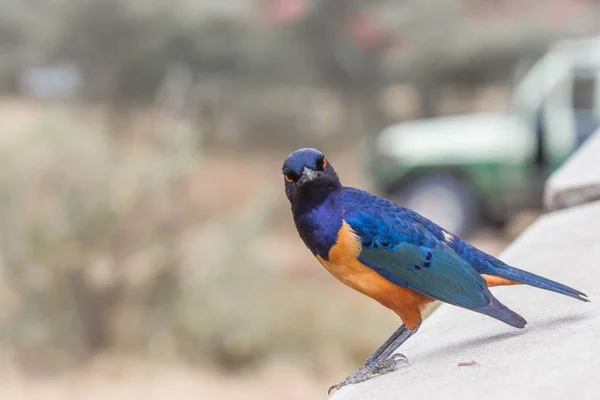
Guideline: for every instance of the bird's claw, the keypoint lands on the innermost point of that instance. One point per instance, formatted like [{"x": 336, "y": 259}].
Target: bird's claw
[
  {"x": 393, "y": 363},
  {"x": 337, "y": 386},
  {"x": 368, "y": 371},
  {"x": 362, "y": 374}
]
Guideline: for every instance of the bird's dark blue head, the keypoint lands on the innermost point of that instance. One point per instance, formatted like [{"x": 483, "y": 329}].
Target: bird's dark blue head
[{"x": 309, "y": 178}]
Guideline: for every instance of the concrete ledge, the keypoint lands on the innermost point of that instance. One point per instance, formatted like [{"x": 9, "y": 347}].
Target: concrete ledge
[
  {"x": 557, "y": 356},
  {"x": 578, "y": 181}
]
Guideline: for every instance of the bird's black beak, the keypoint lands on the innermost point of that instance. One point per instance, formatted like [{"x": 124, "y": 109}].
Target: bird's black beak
[{"x": 309, "y": 175}]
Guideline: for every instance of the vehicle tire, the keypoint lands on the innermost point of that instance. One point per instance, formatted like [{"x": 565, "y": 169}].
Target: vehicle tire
[{"x": 445, "y": 199}]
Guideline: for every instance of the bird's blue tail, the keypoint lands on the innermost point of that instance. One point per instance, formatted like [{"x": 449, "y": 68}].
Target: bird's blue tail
[
  {"x": 499, "y": 311},
  {"x": 537, "y": 281}
]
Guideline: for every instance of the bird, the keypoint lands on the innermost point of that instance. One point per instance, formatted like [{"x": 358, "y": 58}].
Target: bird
[{"x": 395, "y": 256}]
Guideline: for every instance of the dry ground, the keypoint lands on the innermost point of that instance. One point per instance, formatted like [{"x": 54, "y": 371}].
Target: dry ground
[{"x": 133, "y": 380}]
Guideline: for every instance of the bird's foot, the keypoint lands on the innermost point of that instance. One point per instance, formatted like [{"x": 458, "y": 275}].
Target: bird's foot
[{"x": 371, "y": 369}]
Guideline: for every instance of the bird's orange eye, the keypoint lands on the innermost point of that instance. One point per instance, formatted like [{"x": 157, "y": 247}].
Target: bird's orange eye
[
  {"x": 321, "y": 164},
  {"x": 287, "y": 178}
]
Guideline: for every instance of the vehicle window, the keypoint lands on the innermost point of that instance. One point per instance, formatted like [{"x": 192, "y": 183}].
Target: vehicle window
[
  {"x": 584, "y": 105},
  {"x": 584, "y": 90}
]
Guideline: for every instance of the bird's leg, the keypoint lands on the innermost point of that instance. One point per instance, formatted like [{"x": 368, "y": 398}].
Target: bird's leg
[
  {"x": 372, "y": 360},
  {"x": 387, "y": 356},
  {"x": 383, "y": 360}
]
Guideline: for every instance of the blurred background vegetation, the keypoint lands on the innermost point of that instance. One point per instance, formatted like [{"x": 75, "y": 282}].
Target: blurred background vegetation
[{"x": 142, "y": 214}]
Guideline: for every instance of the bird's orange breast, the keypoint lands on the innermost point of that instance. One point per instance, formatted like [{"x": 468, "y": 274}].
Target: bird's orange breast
[{"x": 343, "y": 264}]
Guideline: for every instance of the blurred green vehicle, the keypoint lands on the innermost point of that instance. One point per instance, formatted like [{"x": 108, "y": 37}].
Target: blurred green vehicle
[{"x": 482, "y": 168}]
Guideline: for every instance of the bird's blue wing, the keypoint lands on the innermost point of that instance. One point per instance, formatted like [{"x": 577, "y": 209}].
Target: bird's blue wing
[
  {"x": 487, "y": 264},
  {"x": 407, "y": 254}
]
